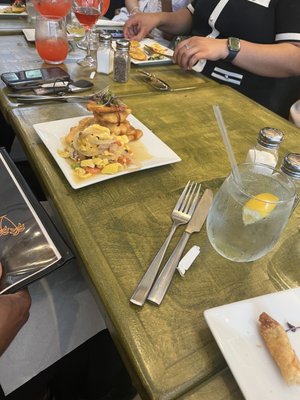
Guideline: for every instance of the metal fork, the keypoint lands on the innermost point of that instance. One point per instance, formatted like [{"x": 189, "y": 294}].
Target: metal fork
[
  {"x": 150, "y": 52},
  {"x": 181, "y": 215}
]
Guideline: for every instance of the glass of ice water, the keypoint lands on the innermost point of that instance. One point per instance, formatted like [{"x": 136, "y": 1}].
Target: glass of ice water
[{"x": 247, "y": 217}]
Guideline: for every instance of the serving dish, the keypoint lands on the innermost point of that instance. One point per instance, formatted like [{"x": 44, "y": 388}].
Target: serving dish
[
  {"x": 10, "y": 14},
  {"x": 29, "y": 34},
  {"x": 158, "y": 153},
  {"x": 163, "y": 60},
  {"x": 236, "y": 330}
]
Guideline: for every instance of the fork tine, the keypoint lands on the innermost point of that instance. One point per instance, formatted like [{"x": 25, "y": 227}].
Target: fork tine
[
  {"x": 189, "y": 197},
  {"x": 186, "y": 197},
  {"x": 195, "y": 201},
  {"x": 180, "y": 200}
]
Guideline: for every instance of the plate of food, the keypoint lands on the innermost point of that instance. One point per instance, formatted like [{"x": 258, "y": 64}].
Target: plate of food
[
  {"x": 260, "y": 340},
  {"x": 14, "y": 10},
  {"x": 148, "y": 51},
  {"x": 103, "y": 145}
]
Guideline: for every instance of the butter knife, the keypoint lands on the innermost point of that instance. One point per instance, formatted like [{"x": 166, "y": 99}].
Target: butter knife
[{"x": 163, "y": 281}]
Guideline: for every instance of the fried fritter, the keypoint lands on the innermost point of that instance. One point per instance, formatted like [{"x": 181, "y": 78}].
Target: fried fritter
[
  {"x": 280, "y": 348},
  {"x": 114, "y": 117},
  {"x": 138, "y": 54}
]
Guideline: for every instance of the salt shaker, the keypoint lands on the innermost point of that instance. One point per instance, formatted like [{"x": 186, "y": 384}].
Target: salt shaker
[
  {"x": 266, "y": 149},
  {"x": 104, "y": 54},
  {"x": 122, "y": 61}
]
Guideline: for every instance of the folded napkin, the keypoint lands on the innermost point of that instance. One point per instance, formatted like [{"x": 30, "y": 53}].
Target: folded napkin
[{"x": 188, "y": 260}]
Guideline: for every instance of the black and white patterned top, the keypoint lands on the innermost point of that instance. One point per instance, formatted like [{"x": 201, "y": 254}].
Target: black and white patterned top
[{"x": 257, "y": 21}]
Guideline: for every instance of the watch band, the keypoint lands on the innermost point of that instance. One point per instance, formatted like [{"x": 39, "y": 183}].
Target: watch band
[{"x": 233, "y": 45}]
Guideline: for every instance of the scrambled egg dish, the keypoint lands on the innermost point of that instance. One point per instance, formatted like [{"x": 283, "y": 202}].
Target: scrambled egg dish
[{"x": 95, "y": 150}]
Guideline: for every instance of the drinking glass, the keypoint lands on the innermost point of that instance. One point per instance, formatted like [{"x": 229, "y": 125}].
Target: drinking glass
[
  {"x": 56, "y": 8},
  {"x": 94, "y": 42},
  {"x": 51, "y": 39},
  {"x": 247, "y": 217},
  {"x": 87, "y": 13},
  {"x": 31, "y": 12},
  {"x": 74, "y": 28}
]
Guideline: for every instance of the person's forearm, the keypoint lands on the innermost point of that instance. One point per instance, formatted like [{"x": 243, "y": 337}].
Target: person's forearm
[
  {"x": 176, "y": 23},
  {"x": 132, "y": 6},
  {"x": 280, "y": 60},
  {"x": 14, "y": 312},
  {"x": 275, "y": 60}
]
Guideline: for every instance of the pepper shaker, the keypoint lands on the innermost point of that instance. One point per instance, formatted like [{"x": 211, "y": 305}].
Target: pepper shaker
[
  {"x": 122, "y": 61},
  {"x": 291, "y": 167}
]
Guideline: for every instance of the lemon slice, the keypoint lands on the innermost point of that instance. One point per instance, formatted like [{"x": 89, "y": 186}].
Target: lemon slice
[{"x": 259, "y": 207}]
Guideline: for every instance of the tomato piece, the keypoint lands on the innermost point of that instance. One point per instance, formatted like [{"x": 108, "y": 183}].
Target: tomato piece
[
  {"x": 91, "y": 170},
  {"x": 124, "y": 160}
]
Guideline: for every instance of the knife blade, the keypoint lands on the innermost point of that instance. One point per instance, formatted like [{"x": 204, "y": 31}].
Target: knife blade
[{"x": 163, "y": 281}]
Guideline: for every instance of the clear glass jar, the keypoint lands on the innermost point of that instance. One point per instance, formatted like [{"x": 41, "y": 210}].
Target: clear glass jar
[
  {"x": 104, "y": 54},
  {"x": 122, "y": 61},
  {"x": 266, "y": 149}
]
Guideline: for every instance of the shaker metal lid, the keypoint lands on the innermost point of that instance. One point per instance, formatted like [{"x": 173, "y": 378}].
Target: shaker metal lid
[
  {"x": 105, "y": 37},
  {"x": 291, "y": 165},
  {"x": 270, "y": 137},
  {"x": 123, "y": 44}
]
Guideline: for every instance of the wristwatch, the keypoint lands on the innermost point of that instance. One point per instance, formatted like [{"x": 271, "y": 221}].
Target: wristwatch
[{"x": 234, "y": 47}]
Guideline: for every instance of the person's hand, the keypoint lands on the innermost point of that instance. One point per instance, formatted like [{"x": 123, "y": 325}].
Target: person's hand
[
  {"x": 139, "y": 25},
  {"x": 14, "y": 312},
  {"x": 188, "y": 52}
]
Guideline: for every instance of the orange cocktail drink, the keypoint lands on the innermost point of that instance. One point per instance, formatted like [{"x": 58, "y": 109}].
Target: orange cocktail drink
[
  {"x": 52, "y": 51},
  {"x": 51, "y": 40},
  {"x": 57, "y": 8}
]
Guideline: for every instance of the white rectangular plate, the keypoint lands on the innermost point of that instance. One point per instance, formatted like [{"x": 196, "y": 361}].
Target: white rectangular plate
[
  {"x": 3, "y": 14},
  {"x": 164, "y": 60},
  {"x": 53, "y": 132},
  {"x": 236, "y": 330},
  {"x": 29, "y": 34},
  {"x": 109, "y": 24}
]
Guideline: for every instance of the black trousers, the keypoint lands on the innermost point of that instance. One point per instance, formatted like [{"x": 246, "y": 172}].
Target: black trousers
[{"x": 91, "y": 372}]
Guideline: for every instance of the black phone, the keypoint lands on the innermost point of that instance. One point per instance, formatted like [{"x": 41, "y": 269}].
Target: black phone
[
  {"x": 117, "y": 34},
  {"x": 34, "y": 77}
]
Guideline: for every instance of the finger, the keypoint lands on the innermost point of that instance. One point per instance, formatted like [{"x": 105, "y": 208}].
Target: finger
[
  {"x": 1, "y": 269},
  {"x": 178, "y": 49},
  {"x": 135, "y": 30},
  {"x": 182, "y": 57}
]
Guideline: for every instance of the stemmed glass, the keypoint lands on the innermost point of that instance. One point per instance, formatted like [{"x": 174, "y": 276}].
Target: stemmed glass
[
  {"x": 94, "y": 41},
  {"x": 87, "y": 13}
]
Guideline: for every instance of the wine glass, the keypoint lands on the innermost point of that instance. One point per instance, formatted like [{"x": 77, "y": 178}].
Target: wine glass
[
  {"x": 87, "y": 12},
  {"x": 53, "y": 7}
]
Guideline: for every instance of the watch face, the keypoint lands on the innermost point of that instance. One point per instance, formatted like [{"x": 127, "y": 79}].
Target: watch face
[{"x": 234, "y": 44}]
